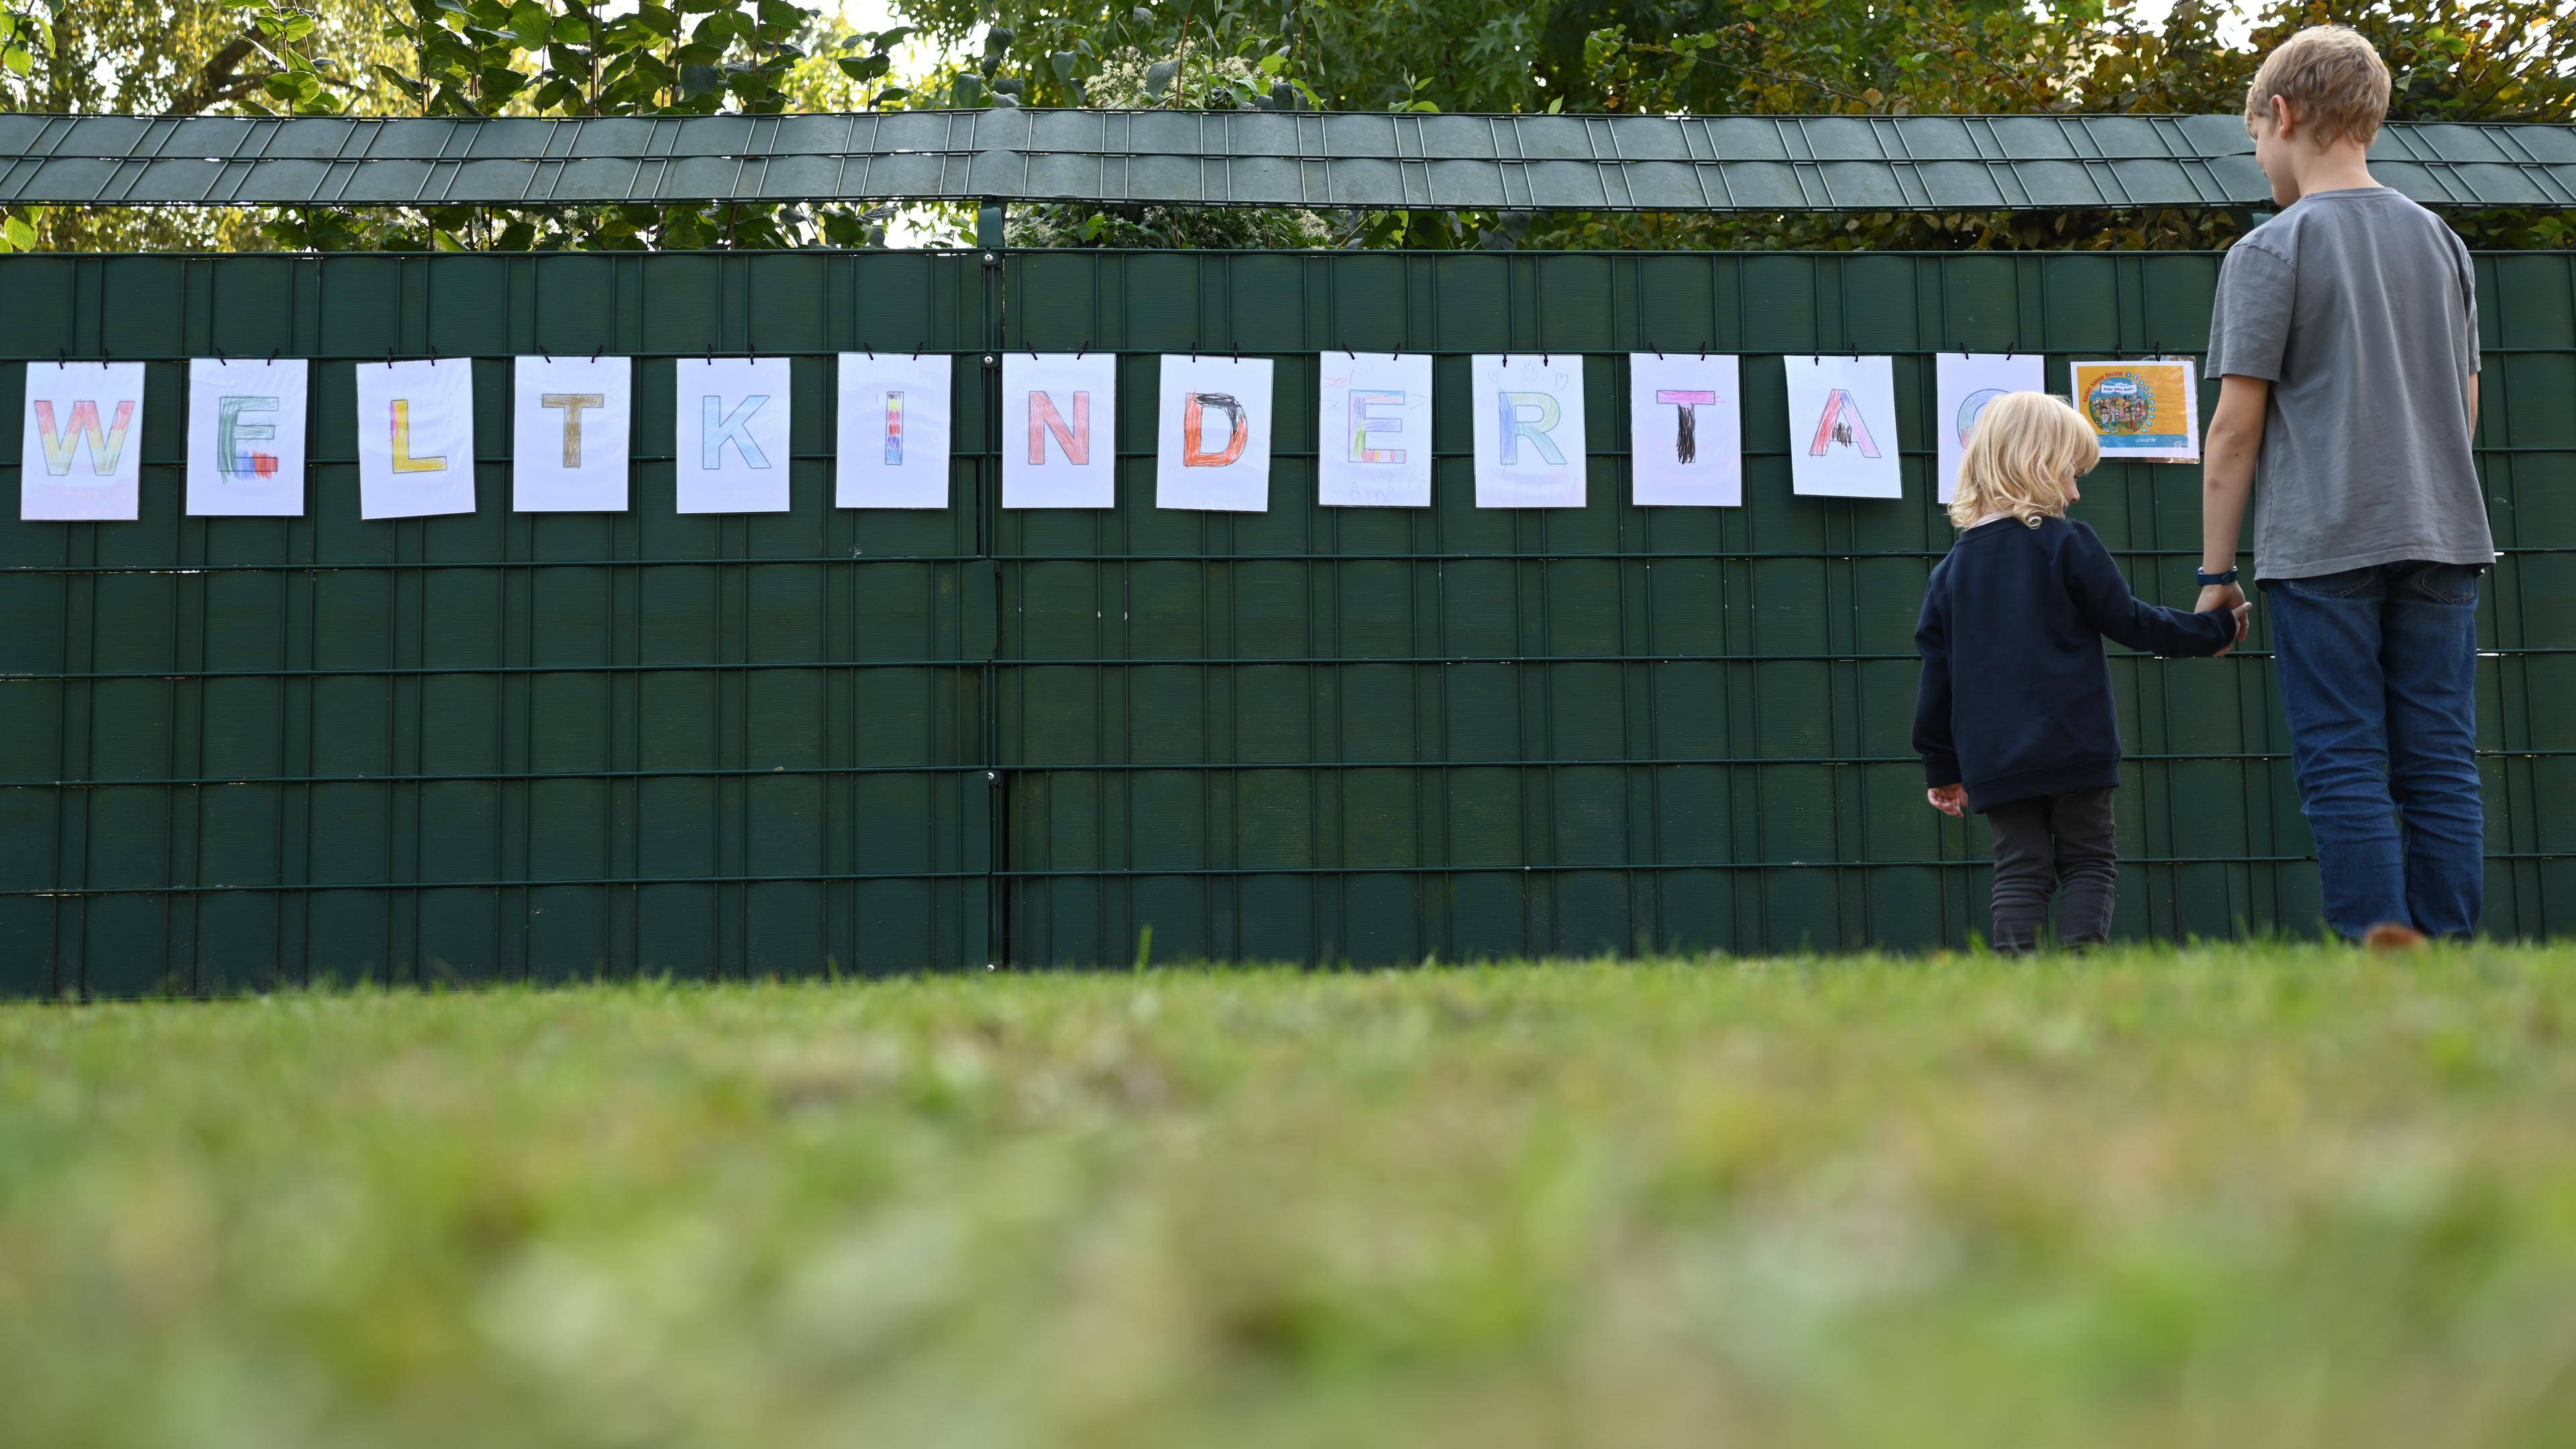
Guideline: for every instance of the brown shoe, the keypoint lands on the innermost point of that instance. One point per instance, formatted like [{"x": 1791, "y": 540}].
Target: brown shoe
[{"x": 2390, "y": 936}]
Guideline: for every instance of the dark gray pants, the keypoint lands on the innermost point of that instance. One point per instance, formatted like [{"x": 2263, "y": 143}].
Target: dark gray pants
[{"x": 2054, "y": 843}]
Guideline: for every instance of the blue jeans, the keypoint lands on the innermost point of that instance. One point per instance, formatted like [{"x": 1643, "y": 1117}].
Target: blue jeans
[{"x": 2378, "y": 668}]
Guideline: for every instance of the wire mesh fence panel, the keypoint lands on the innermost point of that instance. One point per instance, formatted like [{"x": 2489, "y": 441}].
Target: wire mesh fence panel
[
  {"x": 245, "y": 752},
  {"x": 1388, "y": 734},
  {"x": 491, "y": 746}
]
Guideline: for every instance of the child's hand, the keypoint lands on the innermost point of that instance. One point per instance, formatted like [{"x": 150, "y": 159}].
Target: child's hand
[
  {"x": 1950, "y": 800},
  {"x": 2244, "y": 620}
]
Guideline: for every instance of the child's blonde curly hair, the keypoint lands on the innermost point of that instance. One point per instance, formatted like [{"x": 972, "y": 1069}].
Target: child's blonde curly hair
[{"x": 2024, "y": 448}]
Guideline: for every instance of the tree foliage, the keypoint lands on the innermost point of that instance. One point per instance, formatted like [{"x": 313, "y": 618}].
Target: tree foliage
[{"x": 2498, "y": 60}]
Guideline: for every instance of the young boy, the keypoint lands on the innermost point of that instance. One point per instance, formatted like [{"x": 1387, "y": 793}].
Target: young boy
[
  {"x": 2345, "y": 338},
  {"x": 2015, "y": 718}
]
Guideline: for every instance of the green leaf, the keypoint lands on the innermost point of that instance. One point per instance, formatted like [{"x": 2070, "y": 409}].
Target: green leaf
[
  {"x": 22, "y": 237},
  {"x": 864, "y": 68},
  {"x": 531, "y": 24},
  {"x": 890, "y": 93},
  {"x": 659, "y": 19},
  {"x": 19, "y": 60},
  {"x": 779, "y": 12}
]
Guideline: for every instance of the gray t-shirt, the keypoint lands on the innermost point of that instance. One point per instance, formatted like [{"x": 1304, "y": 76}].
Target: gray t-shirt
[{"x": 2359, "y": 307}]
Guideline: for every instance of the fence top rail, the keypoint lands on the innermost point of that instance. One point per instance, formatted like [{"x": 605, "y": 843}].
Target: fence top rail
[{"x": 1256, "y": 158}]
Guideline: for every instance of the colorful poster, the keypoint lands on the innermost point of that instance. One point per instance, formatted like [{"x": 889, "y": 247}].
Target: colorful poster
[
  {"x": 1842, "y": 427},
  {"x": 415, "y": 438},
  {"x": 2146, "y": 410},
  {"x": 246, "y": 437},
  {"x": 1528, "y": 412},
  {"x": 1212, "y": 445},
  {"x": 1059, "y": 430},
  {"x": 732, "y": 438},
  {"x": 1685, "y": 431},
  {"x": 1963, "y": 384},
  {"x": 82, "y": 454},
  {"x": 893, "y": 448},
  {"x": 1374, "y": 431},
  {"x": 570, "y": 418}
]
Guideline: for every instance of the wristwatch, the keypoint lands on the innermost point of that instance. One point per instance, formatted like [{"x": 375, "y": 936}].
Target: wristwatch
[{"x": 2210, "y": 580}]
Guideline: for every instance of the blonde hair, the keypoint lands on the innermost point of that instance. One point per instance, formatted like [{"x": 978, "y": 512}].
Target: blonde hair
[
  {"x": 2331, "y": 77},
  {"x": 2020, "y": 454}
]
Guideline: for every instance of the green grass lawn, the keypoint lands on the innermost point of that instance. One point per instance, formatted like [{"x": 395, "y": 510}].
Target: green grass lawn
[{"x": 2274, "y": 1197}]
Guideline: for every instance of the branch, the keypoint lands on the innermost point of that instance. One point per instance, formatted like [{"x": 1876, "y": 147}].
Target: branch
[{"x": 219, "y": 81}]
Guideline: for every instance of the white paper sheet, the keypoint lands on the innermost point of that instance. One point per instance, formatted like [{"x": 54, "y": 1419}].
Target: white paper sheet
[
  {"x": 1059, "y": 430},
  {"x": 82, "y": 457},
  {"x": 1528, "y": 413},
  {"x": 1842, "y": 427},
  {"x": 246, "y": 437},
  {"x": 893, "y": 448},
  {"x": 1212, "y": 445},
  {"x": 1685, "y": 430},
  {"x": 732, "y": 443},
  {"x": 1373, "y": 431},
  {"x": 1965, "y": 383},
  {"x": 570, "y": 421},
  {"x": 415, "y": 438}
]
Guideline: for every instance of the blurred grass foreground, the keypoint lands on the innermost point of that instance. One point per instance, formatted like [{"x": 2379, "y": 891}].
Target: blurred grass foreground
[{"x": 2274, "y": 1196}]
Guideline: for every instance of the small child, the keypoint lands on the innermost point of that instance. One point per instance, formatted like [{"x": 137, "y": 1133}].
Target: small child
[{"x": 2015, "y": 719}]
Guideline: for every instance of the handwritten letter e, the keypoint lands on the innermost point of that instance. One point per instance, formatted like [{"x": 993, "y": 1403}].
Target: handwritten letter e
[{"x": 231, "y": 431}]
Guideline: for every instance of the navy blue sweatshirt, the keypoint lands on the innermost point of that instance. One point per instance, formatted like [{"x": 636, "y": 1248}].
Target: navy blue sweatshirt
[{"x": 2016, "y": 698}]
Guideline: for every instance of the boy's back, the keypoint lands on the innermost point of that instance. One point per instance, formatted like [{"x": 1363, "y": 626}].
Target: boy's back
[
  {"x": 2359, "y": 307},
  {"x": 2345, "y": 343}
]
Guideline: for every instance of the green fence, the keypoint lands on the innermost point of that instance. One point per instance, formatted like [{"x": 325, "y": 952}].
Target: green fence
[{"x": 248, "y": 752}]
